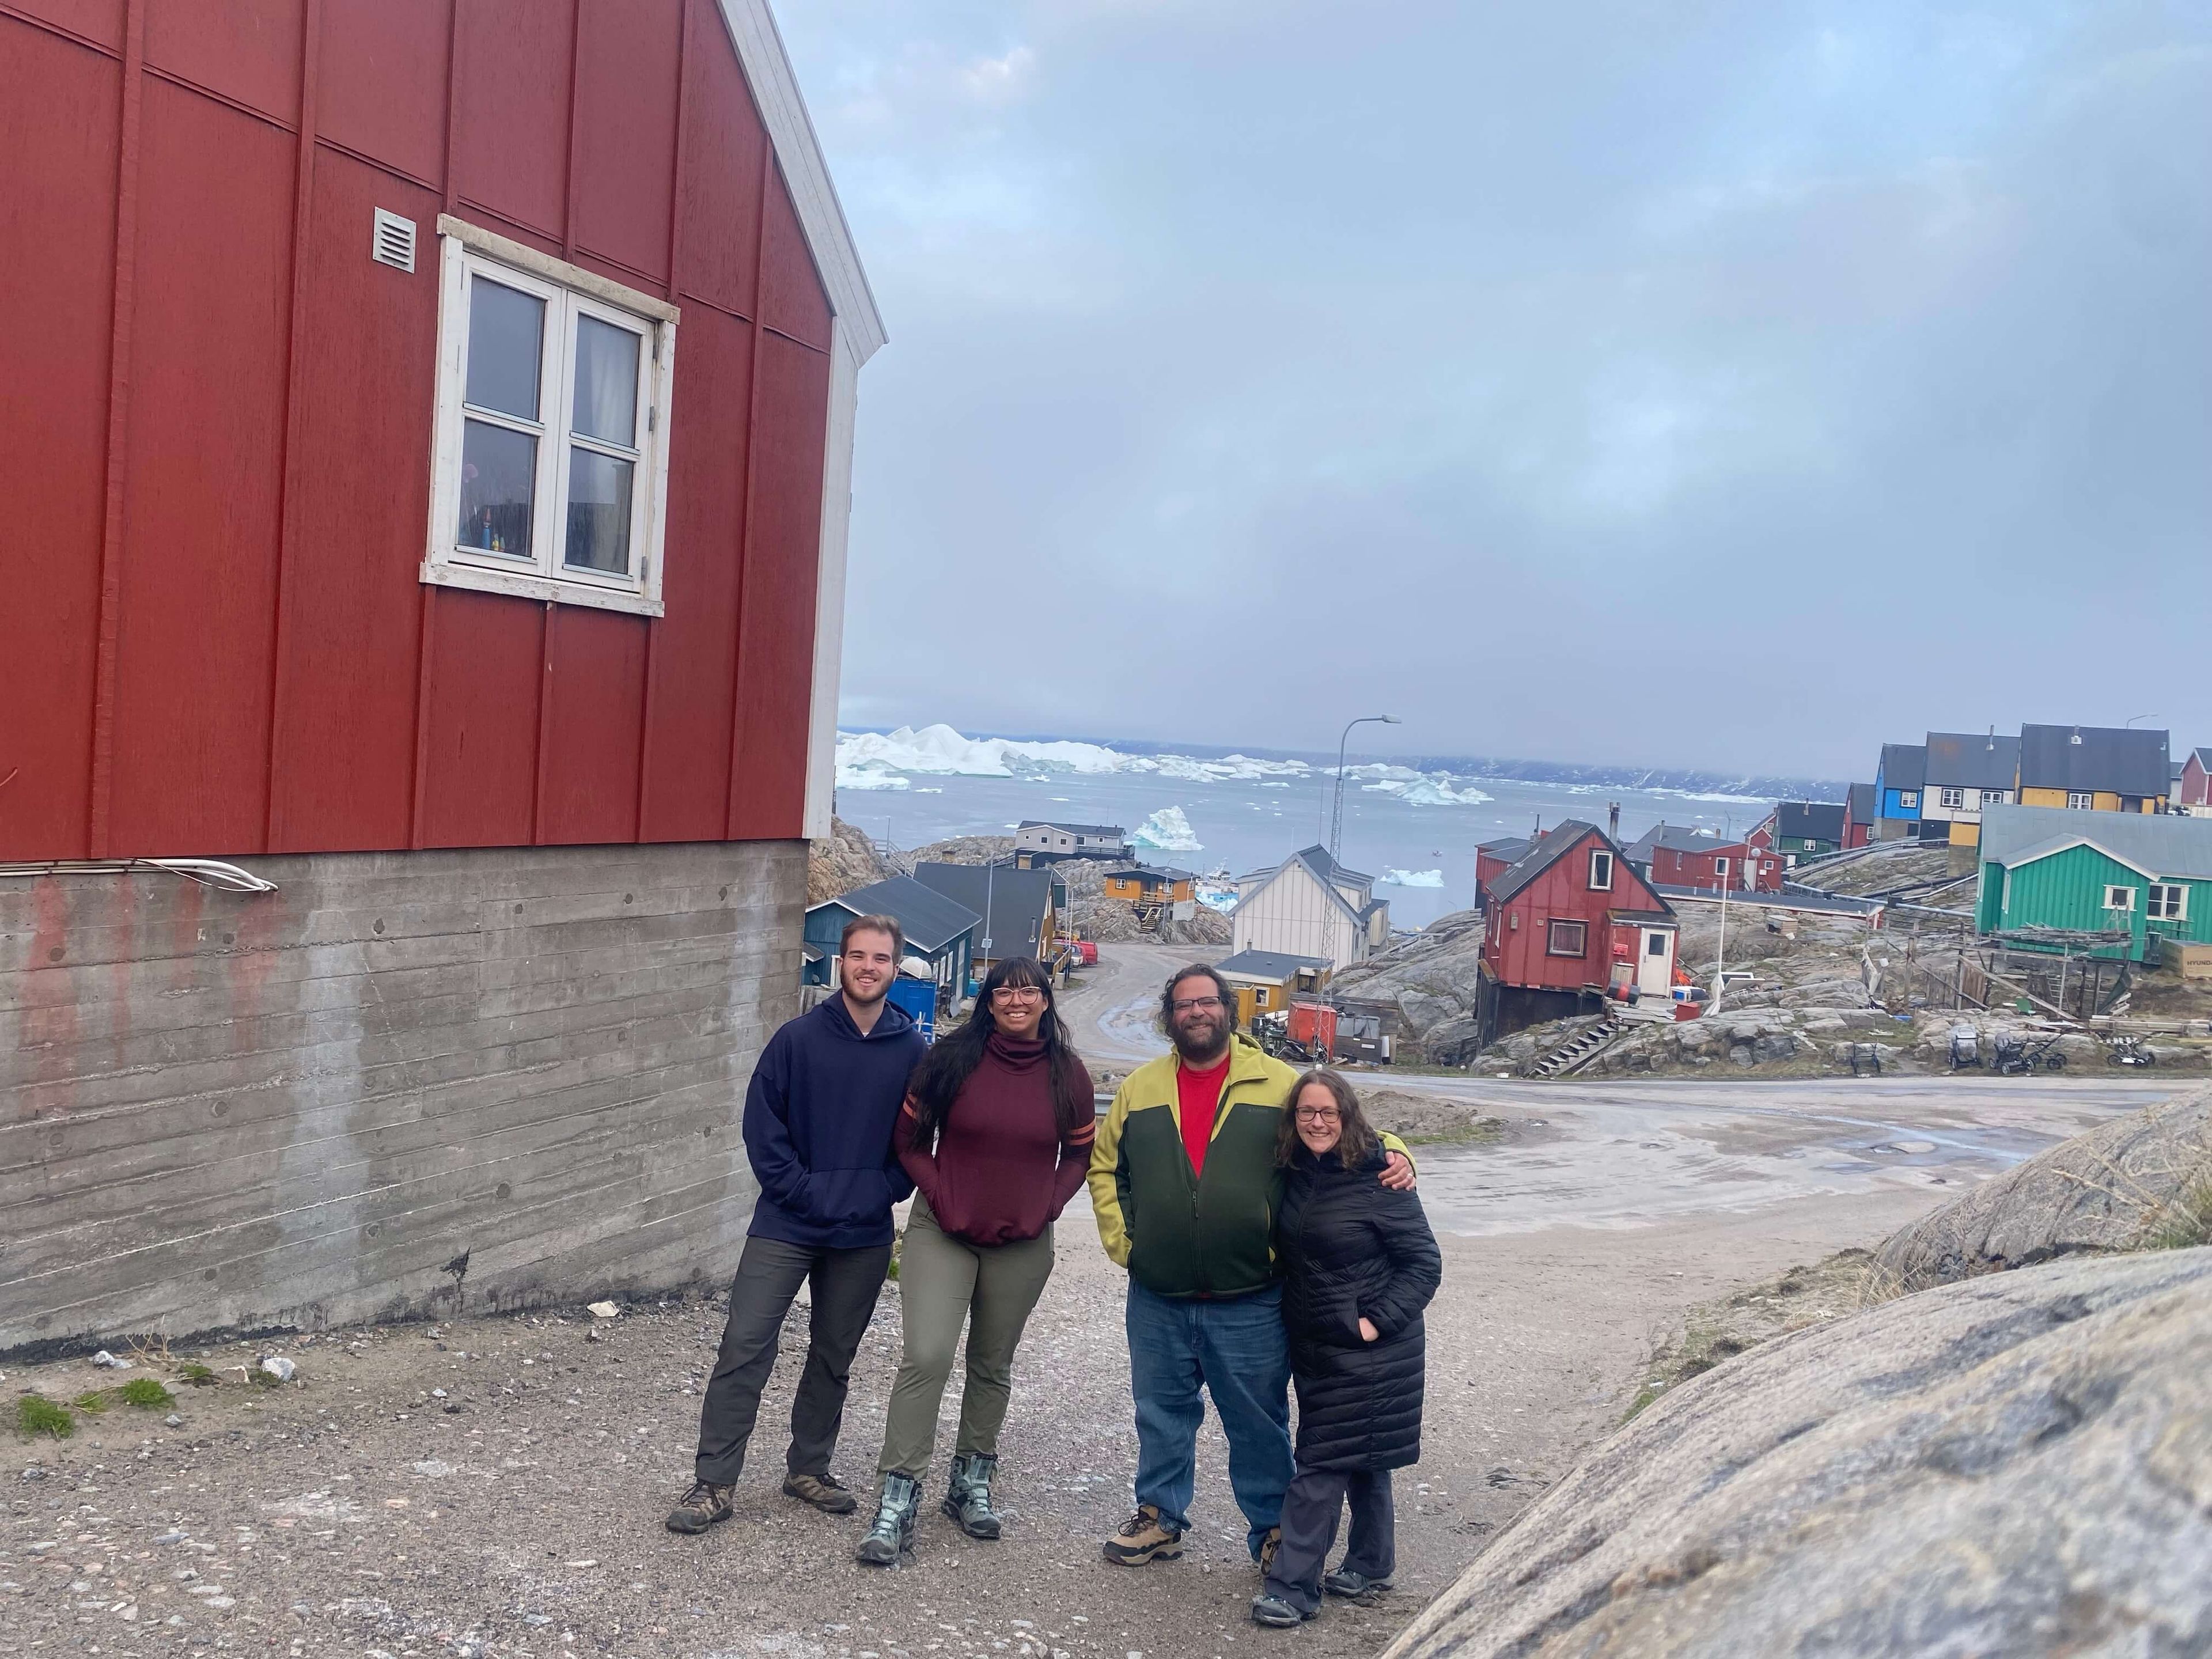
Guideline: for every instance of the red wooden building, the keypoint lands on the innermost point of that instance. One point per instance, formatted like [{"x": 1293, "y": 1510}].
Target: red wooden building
[
  {"x": 361, "y": 500},
  {"x": 1672, "y": 856},
  {"x": 1570, "y": 924}
]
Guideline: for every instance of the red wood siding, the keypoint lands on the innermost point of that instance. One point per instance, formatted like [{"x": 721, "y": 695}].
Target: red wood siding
[
  {"x": 2194, "y": 779},
  {"x": 1673, "y": 867},
  {"x": 222, "y": 646},
  {"x": 1515, "y": 947}
]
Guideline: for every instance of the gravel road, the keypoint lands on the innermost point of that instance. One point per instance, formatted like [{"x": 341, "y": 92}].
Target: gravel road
[{"x": 358, "y": 1511}]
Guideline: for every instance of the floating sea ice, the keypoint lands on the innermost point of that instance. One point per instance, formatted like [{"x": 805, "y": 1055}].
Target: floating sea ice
[
  {"x": 1167, "y": 831},
  {"x": 1412, "y": 878}
]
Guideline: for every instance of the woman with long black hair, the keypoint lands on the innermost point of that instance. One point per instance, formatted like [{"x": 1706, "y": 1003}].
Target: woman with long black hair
[{"x": 996, "y": 1133}]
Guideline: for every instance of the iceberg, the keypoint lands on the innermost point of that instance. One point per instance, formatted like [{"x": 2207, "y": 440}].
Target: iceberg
[
  {"x": 868, "y": 774},
  {"x": 1167, "y": 831},
  {"x": 1424, "y": 791},
  {"x": 939, "y": 750},
  {"x": 1412, "y": 878}
]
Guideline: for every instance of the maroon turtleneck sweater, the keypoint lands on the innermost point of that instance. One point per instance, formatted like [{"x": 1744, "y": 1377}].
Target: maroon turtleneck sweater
[{"x": 1000, "y": 1171}]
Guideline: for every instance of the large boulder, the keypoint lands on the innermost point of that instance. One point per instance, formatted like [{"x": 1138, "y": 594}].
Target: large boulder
[
  {"x": 2114, "y": 1188},
  {"x": 2019, "y": 1464},
  {"x": 840, "y": 861}
]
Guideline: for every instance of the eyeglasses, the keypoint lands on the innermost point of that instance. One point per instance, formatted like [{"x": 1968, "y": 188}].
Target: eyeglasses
[
  {"x": 1318, "y": 1114},
  {"x": 1018, "y": 994},
  {"x": 1186, "y": 1005}
]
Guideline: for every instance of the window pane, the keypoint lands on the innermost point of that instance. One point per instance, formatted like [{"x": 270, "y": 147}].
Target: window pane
[
  {"x": 499, "y": 468},
  {"x": 606, "y": 382},
  {"x": 598, "y": 512},
  {"x": 505, "y": 327}
]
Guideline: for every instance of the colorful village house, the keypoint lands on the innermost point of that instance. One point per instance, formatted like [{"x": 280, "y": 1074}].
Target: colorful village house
[
  {"x": 2094, "y": 768},
  {"x": 1898, "y": 778},
  {"x": 1310, "y": 905},
  {"x": 1570, "y": 924},
  {"x": 1264, "y": 981},
  {"x": 1493, "y": 859},
  {"x": 1023, "y": 911},
  {"x": 429, "y": 432},
  {"x": 1155, "y": 891},
  {"x": 1859, "y": 814},
  {"x": 1670, "y": 855},
  {"x": 1806, "y": 829},
  {"x": 1966, "y": 772},
  {"x": 1037, "y": 842},
  {"x": 940, "y": 932},
  {"x": 2193, "y": 786},
  {"x": 2139, "y": 875}
]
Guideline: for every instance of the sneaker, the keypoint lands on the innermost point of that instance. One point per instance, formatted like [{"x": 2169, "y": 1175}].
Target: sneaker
[
  {"x": 893, "y": 1530},
  {"x": 1273, "y": 1611},
  {"x": 1356, "y": 1586},
  {"x": 825, "y": 1491},
  {"x": 699, "y": 1508},
  {"x": 1144, "y": 1537},
  {"x": 1268, "y": 1545}
]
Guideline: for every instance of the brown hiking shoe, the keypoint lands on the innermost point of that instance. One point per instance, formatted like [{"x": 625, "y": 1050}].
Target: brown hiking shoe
[
  {"x": 701, "y": 1507},
  {"x": 1144, "y": 1537},
  {"x": 825, "y": 1491}
]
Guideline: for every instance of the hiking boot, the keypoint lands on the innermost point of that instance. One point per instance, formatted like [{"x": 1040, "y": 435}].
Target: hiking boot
[
  {"x": 701, "y": 1507},
  {"x": 1268, "y": 1545},
  {"x": 1356, "y": 1586},
  {"x": 825, "y": 1491},
  {"x": 968, "y": 1500},
  {"x": 893, "y": 1530},
  {"x": 1273, "y": 1611},
  {"x": 1144, "y": 1537}
]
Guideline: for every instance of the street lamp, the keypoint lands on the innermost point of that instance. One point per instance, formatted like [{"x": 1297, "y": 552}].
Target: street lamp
[{"x": 1336, "y": 819}]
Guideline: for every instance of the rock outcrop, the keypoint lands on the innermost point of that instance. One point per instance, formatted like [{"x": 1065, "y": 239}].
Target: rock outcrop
[
  {"x": 2117, "y": 1187},
  {"x": 840, "y": 861},
  {"x": 2019, "y": 1464}
]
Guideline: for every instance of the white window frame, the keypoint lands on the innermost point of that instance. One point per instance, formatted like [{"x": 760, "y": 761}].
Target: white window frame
[
  {"x": 2080, "y": 800},
  {"x": 1908, "y": 798},
  {"x": 1599, "y": 857},
  {"x": 2118, "y": 898},
  {"x": 1993, "y": 798},
  {"x": 1720, "y": 867},
  {"x": 1952, "y": 799},
  {"x": 570, "y": 293},
  {"x": 2168, "y": 902},
  {"x": 1551, "y": 948}
]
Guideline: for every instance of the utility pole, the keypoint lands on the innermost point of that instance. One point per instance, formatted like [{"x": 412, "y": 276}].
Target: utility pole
[
  {"x": 1720, "y": 963},
  {"x": 1336, "y": 821}
]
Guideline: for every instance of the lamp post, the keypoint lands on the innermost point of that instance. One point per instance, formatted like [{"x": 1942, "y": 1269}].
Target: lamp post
[{"x": 1336, "y": 818}]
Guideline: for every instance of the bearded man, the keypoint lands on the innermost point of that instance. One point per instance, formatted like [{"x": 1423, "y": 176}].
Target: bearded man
[{"x": 1184, "y": 1180}]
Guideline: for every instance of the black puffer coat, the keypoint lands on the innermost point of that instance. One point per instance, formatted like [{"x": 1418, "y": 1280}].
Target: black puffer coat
[{"x": 1348, "y": 1247}]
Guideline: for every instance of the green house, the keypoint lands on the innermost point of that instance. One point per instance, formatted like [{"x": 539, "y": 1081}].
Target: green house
[{"x": 2049, "y": 867}]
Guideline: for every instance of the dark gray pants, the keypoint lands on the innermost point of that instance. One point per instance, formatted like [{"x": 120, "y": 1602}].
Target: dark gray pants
[
  {"x": 845, "y": 1285},
  {"x": 1311, "y": 1509}
]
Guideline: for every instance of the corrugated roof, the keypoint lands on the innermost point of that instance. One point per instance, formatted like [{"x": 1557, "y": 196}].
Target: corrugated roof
[
  {"x": 1809, "y": 820},
  {"x": 932, "y": 920},
  {"x": 1329, "y": 869},
  {"x": 1679, "y": 838},
  {"x": 2092, "y": 757},
  {"x": 1268, "y": 964},
  {"x": 1017, "y": 897},
  {"x": 2160, "y": 844},
  {"x": 1904, "y": 765},
  {"x": 1862, "y": 801},
  {"x": 1971, "y": 760},
  {"x": 1113, "y": 830}
]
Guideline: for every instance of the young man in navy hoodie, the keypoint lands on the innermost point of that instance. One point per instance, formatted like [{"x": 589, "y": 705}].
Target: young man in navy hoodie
[{"x": 817, "y": 1126}]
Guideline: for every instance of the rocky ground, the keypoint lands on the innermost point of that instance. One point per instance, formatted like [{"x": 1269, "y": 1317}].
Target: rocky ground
[{"x": 843, "y": 860}]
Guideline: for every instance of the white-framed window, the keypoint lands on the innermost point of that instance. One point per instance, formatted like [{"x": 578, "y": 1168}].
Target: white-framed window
[
  {"x": 1567, "y": 939},
  {"x": 1601, "y": 871},
  {"x": 549, "y": 465},
  {"x": 2120, "y": 898},
  {"x": 1908, "y": 798},
  {"x": 1721, "y": 868},
  {"x": 2168, "y": 902},
  {"x": 1993, "y": 798},
  {"x": 1954, "y": 798},
  {"x": 2080, "y": 800}
]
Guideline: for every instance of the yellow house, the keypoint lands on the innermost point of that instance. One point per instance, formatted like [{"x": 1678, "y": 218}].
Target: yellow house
[
  {"x": 1266, "y": 980},
  {"x": 1144, "y": 884},
  {"x": 2094, "y": 768}
]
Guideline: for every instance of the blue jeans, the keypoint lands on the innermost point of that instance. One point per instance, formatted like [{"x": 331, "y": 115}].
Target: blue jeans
[{"x": 1237, "y": 1350}]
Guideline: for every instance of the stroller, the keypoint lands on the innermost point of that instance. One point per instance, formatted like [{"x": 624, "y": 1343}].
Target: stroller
[
  {"x": 1965, "y": 1046},
  {"x": 2018, "y": 1055}
]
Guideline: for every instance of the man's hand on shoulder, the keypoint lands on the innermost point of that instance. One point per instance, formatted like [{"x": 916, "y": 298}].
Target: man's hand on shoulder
[{"x": 1397, "y": 1172}]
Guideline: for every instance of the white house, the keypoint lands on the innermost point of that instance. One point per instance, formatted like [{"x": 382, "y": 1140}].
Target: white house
[
  {"x": 1310, "y": 905},
  {"x": 1038, "y": 838}
]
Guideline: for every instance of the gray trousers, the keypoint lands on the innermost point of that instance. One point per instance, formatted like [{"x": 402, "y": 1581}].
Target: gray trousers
[
  {"x": 845, "y": 1284},
  {"x": 945, "y": 1283},
  {"x": 1311, "y": 1509}
]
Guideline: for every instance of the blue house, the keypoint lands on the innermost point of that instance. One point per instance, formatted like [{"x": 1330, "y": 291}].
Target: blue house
[
  {"x": 1896, "y": 783},
  {"x": 940, "y": 932}
]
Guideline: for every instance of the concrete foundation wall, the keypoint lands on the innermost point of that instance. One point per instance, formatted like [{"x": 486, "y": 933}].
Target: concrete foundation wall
[{"x": 296, "y": 1109}]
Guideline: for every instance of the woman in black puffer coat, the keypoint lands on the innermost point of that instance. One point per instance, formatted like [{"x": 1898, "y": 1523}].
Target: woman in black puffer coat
[{"x": 1359, "y": 1265}]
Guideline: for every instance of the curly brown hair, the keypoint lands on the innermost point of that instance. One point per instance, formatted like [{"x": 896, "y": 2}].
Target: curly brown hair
[{"x": 1357, "y": 1141}]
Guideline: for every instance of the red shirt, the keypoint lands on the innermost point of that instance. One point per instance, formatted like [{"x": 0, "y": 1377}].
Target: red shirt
[{"x": 1199, "y": 1094}]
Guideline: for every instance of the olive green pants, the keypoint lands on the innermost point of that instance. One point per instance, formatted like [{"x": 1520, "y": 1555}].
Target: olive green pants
[{"x": 945, "y": 1283}]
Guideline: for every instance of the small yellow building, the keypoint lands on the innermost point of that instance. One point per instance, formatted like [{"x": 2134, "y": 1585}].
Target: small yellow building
[
  {"x": 2094, "y": 768},
  {"x": 1146, "y": 884}
]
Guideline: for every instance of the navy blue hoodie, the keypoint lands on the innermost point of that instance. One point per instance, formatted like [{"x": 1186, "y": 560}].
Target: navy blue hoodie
[{"x": 818, "y": 1120}]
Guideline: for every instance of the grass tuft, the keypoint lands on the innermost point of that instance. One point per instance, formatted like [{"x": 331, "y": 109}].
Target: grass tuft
[
  {"x": 147, "y": 1393},
  {"x": 95, "y": 1402},
  {"x": 197, "y": 1375},
  {"x": 36, "y": 1414},
  {"x": 2184, "y": 1221}
]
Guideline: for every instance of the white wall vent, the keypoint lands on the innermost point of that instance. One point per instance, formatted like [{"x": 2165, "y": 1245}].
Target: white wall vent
[{"x": 393, "y": 241}]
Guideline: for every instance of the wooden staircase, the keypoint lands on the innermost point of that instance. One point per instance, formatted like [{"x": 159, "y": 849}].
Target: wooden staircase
[{"x": 1581, "y": 1047}]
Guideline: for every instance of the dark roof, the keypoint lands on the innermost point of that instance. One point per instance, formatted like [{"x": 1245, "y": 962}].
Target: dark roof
[
  {"x": 2203, "y": 757},
  {"x": 1678, "y": 838},
  {"x": 1113, "y": 830},
  {"x": 2123, "y": 762},
  {"x": 2164, "y": 845},
  {"x": 1976, "y": 760},
  {"x": 1904, "y": 765},
  {"x": 1809, "y": 820},
  {"x": 1561, "y": 838},
  {"x": 1511, "y": 848},
  {"x": 1268, "y": 964},
  {"x": 1155, "y": 872},
  {"x": 1863, "y": 803},
  {"x": 1018, "y": 900},
  {"x": 1318, "y": 861},
  {"x": 1371, "y": 907},
  {"x": 932, "y": 920}
]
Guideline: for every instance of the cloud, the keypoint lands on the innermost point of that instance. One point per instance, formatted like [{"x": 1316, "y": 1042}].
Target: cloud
[{"x": 1740, "y": 386}]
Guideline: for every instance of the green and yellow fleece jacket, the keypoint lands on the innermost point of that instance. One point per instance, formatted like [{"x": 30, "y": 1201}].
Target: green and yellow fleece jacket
[{"x": 1182, "y": 1235}]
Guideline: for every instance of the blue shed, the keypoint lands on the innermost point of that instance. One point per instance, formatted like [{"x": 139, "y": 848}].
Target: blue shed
[{"x": 940, "y": 932}]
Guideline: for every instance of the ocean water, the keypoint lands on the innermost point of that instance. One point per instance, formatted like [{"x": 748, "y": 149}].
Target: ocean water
[{"x": 1415, "y": 832}]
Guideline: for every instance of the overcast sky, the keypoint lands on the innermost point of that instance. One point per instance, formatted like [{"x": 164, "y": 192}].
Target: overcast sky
[{"x": 1698, "y": 383}]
